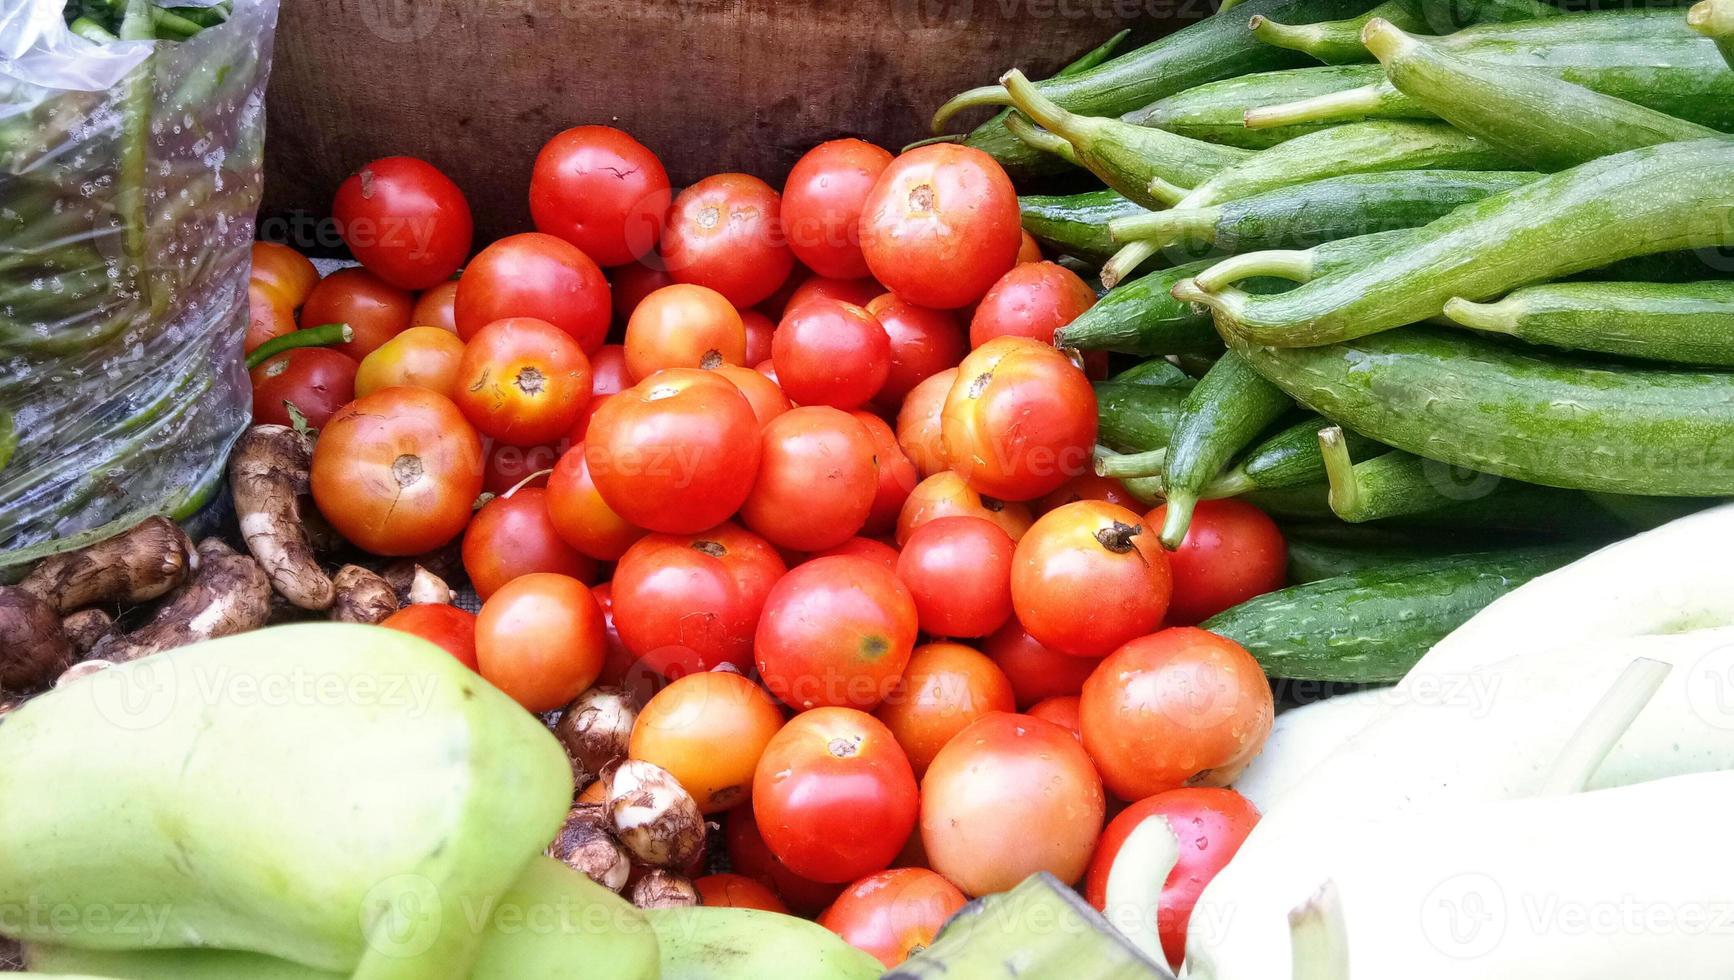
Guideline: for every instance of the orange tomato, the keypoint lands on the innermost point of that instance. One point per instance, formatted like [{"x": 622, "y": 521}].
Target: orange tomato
[
  {"x": 512, "y": 536},
  {"x": 947, "y": 495},
  {"x": 1062, "y": 710},
  {"x": 1020, "y": 420},
  {"x": 540, "y": 640},
  {"x": 732, "y": 891},
  {"x": 945, "y": 687},
  {"x": 683, "y": 326},
  {"x": 1096, "y": 558},
  {"x": 708, "y": 730},
  {"x": 448, "y": 627},
  {"x": 579, "y": 514},
  {"x": 425, "y": 357},
  {"x": 523, "y": 381},
  {"x": 435, "y": 307},
  {"x": 1029, "y": 250},
  {"x": 284, "y": 271},
  {"x": 1036, "y": 672},
  {"x": 919, "y": 422},
  {"x": 375, "y": 311},
  {"x": 894, "y": 914},
  {"x": 767, "y": 399},
  {"x": 269, "y": 315}
]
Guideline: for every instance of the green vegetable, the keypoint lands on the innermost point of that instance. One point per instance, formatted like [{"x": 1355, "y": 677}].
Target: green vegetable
[
  {"x": 1229, "y": 407},
  {"x": 1155, "y": 371},
  {"x": 702, "y": 943},
  {"x": 1398, "y": 484},
  {"x": 1683, "y": 323},
  {"x": 1715, "y": 19},
  {"x": 1075, "y": 224},
  {"x": 1134, "y": 417},
  {"x": 323, "y": 335},
  {"x": 1371, "y": 626},
  {"x": 1313, "y": 558},
  {"x": 1338, "y": 42},
  {"x": 1290, "y": 458},
  {"x": 1216, "y": 111},
  {"x": 1090, "y": 59}
]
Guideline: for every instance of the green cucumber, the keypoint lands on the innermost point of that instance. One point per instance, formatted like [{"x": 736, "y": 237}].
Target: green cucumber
[
  {"x": 1136, "y": 418},
  {"x": 1715, "y": 19},
  {"x": 1088, "y": 60},
  {"x": 1287, "y": 459},
  {"x": 1155, "y": 371},
  {"x": 1646, "y": 201},
  {"x": 1076, "y": 224},
  {"x": 1682, "y": 323},
  {"x": 1488, "y": 407},
  {"x": 1371, "y": 626},
  {"x": 1216, "y": 112},
  {"x": 1399, "y": 484},
  {"x": 1311, "y": 559},
  {"x": 1229, "y": 407},
  {"x": 1338, "y": 42}
]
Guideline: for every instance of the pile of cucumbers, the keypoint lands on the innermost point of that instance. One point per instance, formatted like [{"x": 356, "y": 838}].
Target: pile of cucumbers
[{"x": 1448, "y": 289}]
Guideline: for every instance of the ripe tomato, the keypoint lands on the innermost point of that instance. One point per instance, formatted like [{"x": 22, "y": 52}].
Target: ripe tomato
[
  {"x": 269, "y": 316},
  {"x": 767, "y": 399},
  {"x": 924, "y": 342},
  {"x": 1210, "y": 823},
  {"x": 284, "y": 271},
  {"x": 692, "y": 602},
  {"x": 539, "y": 639},
  {"x": 1088, "y": 577},
  {"x": 406, "y": 222},
  {"x": 512, "y": 536},
  {"x": 831, "y": 353},
  {"x": 822, "y": 202},
  {"x": 676, "y": 452},
  {"x": 941, "y": 225},
  {"x": 510, "y": 466},
  {"x": 731, "y": 891},
  {"x": 920, "y": 421},
  {"x": 522, "y": 381},
  {"x": 958, "y": 569},
  {"x": 609, "y": 374},
  {"x": 1062, "y": 710},
  {"x": 601, "y": 190},
  {"x": 1029, "y": 250},
  {"x": 426, "y": 357},
  {"x": 1036, "y": 673},
  {"x": 723, "y": 232},
  {"x": 316, "y": 380},
  {"x": 1232, "y": 552},
  {"x": 767, "y": 369},
  {"x": 894, "y": 914},
  {"x": 833, "y": 795},
  {"x": 374, "y": 310},
  {"x": 946, "y": 495},
  {"x": 437, "y": 307},
  {"x": 620, "y": 668},
  {"x": 1009, "y": 796},
  {"x": 535, "y": 275},
  {"x": 1032, "y": 300},
  {"x": 708, "y": 730},
  {"x": 397, "y": 472},
  {"x": 868, "y": 548},
  {"x": 817, "y": 480},
  {"x": 855, "y": 292},
  {"x": 447, "y": 627},
  {"x": 1020, "y": 420},
  {"x": 897, "y": 475},
  {"x": 1183, "y": 707},
  {"x": 759, "y": 329},
  {"x": 749, "y": 855},
  {"x": 945, "y": 687},
  {"x": 1089, "y": 486},
  {"x": 579, "y": 514},
  {"x": 683, "y": 326},
  {"x": 631, "y": 283},
  {"x": 835, "y": 631}
]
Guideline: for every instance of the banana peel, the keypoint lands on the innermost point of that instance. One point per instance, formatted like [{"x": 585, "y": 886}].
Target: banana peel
[{"x": 701, "y": 943}]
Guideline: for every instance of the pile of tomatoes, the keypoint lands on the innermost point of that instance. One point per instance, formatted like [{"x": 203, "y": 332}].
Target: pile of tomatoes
[{"x": 805, "y": 473}]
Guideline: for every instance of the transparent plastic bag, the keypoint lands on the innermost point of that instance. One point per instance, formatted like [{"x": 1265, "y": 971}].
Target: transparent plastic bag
[{"x": 130, "y": 174}]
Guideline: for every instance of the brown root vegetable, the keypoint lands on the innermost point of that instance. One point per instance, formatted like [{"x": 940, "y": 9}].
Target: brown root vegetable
[
  {"x": 33, "y": 648},
  {"x": 84, "y": 668},
  {"x": 586, "y": 843},
  {"x": 654, "y": 816},
  {"x": 85, "y": 628},
  {"x": 362, "y": 596},
  {"x": 416, "y": 586},
  {"x": 229, "y": 595},
  {"x": 268, "y": 473},
  {"x": 146, "y": 562},
  {"x": 659, "y": 889},
  {"x": 596, "y": 730}
]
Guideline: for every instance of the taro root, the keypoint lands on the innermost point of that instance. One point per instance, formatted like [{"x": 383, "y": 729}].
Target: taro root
[
  {"x": 586, "y": 843},
  {"x": 654, "y": 816},
  {"x": 660, "y": 889},
  {"x": 33, "y": 648},
  {"x": 267, "y": 476},
  {"x": 138, "y": 565},
  {"x": 229, "y": 595},
  {"x": 596, "y": 729},
  {"x": 362, "y": 596},
  {"x": 86, "y": 628},
  {"x": 415, "y": 585}
]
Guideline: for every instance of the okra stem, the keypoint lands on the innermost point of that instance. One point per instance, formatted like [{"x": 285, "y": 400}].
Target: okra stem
[
  {"x": 1198, "y": 223},
  {"x": 1120, "y": 466},
  {"x": 323, "y": 335},
  {"x": 1041, "y": 139},
  {"x": 974, "y": 98},
  {"x": 1335, "y": 107}
]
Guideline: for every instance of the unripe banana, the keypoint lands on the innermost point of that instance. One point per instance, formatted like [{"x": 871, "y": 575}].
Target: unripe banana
[
  {"x": 345, "y": 797},
  {"x": 701, "y": 943}
]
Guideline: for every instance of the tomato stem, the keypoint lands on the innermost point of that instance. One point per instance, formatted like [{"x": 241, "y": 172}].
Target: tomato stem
[{"x": 323, "y": 335}]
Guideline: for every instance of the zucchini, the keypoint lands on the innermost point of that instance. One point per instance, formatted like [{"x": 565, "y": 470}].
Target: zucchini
[
  {"x": 1683, "y": 323},
  {"x": 1647, "y": 201},
  {"x": 1214, "y": 48},
  {"x": 1484, "y": 406},
  {"x": 1136, "y": 418},
  {"x": 1216, "y": 112},
  {"x": 1228, "y": 408},
  {"x": 1338, "y": 42},
  {"x": 1371, "y": 626},
  {"x": 1075, "y": 224},
  {"x": 1715, "y": 19},
  {"x": 1546, "y": 122}
]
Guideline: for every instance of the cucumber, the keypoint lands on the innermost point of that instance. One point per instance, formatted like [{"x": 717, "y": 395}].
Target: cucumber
[
  {"x": 1311, "y": 559},
  {"x": 1076, "y": 224},
  {"x": 1399, "y": 484},
  {"x": 1229, "y": 407},
  {"x": 1371, "y": 626},
  {"x": 1155, "y": 371},
  {"x": 1338, "y": 42},
  {"x": 1484, "y": 406},
  {"x": 1647, "y": 201},
  {"x": 1216, "y": 112},
  {"x": 1290, "y": 458},
  {"x": 1715, "y": 19},
  {"x": 1136, "y": 418},
  {"x": 1683, "y": 323}
]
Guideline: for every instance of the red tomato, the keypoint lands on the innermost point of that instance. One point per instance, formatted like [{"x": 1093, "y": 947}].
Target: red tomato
[
  {"x": 285, "y": 271},
  {"x": 406, "y": 222},
  {"x": 522, "y": 381},
  {"x": 959, "y": 571},
  {"x": 539, "y": 639},
  {"x": 1036, "y": 673},
  {"x": 708, "y": 730},
  {"x": 511, "y": 466},
  {"x": 677, "y": 452},
  {"x": 579, "y": 514},
  {"x": 437, "y": 307},
  {"x": 833, "y": 795},
  {"x": 855, "y": 292},
  {"x": 535, "y": 275},
  {"x": 447, "y": 627},
  {"x": 1061, "y": 710},
  {"x": 924, "y": 342},
  {"x": 1032, "y": 300},
  {"x": 316, "y": 380},
  {"x": 620, "y": 668},
  {"x": 822, "y": 202},
  {"x": 1088, "y": 486},
  {"x": 767, "y": 399},
  {"x": 427, "y": 357},
  {"x": 1029, "y": 250},
  {"x": 749, "y": 855},
  {"x": 601, "y": 190},
  {"x": 683, "y": 326},
  {"x": 732, "y": 891},
  {"x": 941, "y": 225},
  {"x": 1210, "y": 823},
  {"x": 1182, "y": 707},
  {"x": 895, "y": 914},
  {"x": 835, "y": 631},
  {"x": 269, "y": 316},
  {"x": 946, "y": 686},
  {"x": 897, "y": 475},
  {"x": 631, "y": 283},
  {"x": 920, "y": 423},
  {"x": 692, "y": 602},
  {"x": 767, "y": 369},
  {"x": 1089, "y": 577},
  {"x": 759, "y": 329},
  {"x": 608, "y": 372},
  {"x": 723, "y": 232},
  {"x": 946, "y": 495},
  {"x": 868, "y": 548},
  {"x": 397, "y": 472},
  {"x": 1020, "y": 420},
  {"x": 1009, "y": 796},
  {"x": 817, "y": 480},
  {"x": 375, "y": 311},
  {"x": 831, "y": 353},
  {"x": 513, "y": 536},
  {"x": 1232, "y": 552}
]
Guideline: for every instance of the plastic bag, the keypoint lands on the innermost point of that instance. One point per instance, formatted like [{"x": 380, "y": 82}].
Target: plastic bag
[{"x": 130, "y": 174}]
